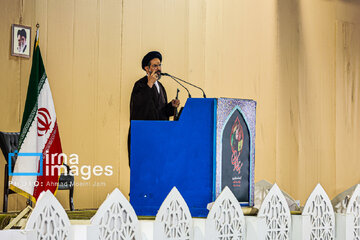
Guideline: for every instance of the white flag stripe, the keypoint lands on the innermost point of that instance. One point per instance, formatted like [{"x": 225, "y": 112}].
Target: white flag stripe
[{"x": 27, "y": 163}]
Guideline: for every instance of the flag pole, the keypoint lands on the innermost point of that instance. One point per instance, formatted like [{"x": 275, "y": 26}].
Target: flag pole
[{"x": 37, "y": 31}]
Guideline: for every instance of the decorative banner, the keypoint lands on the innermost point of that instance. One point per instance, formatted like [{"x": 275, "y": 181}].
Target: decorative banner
[{"x": 235, "y": 143}]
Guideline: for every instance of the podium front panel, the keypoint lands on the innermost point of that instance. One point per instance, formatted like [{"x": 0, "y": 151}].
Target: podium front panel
[{"x": 179, "y": 153}]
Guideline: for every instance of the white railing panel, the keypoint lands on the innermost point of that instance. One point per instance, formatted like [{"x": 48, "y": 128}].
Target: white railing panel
[
  {"x": 225, "y": 219},
  {"x": 117, "y": 219},
  {"x": 173, "y": 220},
  {"x": 49, "y": 219},
  {"x": 344, "y": 226},
  {"x": 322, "y": 219},
  {"x": 354, "y": 209},
  {"x": 277, "y": 216}
]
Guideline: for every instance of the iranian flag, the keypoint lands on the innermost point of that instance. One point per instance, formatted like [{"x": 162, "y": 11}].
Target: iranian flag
[{"x": 39, "y": 141}]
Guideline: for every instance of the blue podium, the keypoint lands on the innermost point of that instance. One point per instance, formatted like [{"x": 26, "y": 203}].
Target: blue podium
[{"x": 183, "y": 153}]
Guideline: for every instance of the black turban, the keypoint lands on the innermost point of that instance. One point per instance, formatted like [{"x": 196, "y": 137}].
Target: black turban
[{"x": 150, "y": 56}]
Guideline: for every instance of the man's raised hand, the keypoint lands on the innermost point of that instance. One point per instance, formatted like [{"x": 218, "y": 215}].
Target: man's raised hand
[{"x": 152, "y": 78}]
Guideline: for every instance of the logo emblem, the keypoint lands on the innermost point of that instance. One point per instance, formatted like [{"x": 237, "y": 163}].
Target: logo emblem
[{"x": 44, "y": 121}]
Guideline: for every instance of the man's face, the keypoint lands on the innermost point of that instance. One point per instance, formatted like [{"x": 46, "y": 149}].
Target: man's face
[
  {"x": 154, "y": 66},
  {"x": 21, "y": 40}
]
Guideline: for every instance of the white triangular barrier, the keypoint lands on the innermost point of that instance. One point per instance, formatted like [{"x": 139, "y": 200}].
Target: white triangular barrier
[
  {"x": 117, "y": 219},
  {"x": 49, "y": 219},
  {"x": 341, "y": 201},
  {"x": 173, "y": 220},
  {"x": 263, "y": 187},
  {"x": 277, "y": 216},
  {"x": 321, "y": 216},
  {"x": 225, "y": 219},
  {"x": 353, "y": 208}
]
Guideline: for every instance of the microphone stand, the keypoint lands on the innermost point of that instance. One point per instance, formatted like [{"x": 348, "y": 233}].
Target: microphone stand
[
  {"x": 204, "y": 95},
  {"x": 189, "y": 95}
]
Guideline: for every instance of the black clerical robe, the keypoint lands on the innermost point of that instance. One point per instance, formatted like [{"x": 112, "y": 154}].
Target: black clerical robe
[{"x": 147, "y": 104}]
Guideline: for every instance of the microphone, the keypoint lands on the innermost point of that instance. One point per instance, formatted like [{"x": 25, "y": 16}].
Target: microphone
[
  {"x": 176, "y": 114},
  {"x": 166, "y": 74}
]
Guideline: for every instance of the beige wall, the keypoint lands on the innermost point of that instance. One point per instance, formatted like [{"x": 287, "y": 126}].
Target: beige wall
[{"x": 300, "y": 60}]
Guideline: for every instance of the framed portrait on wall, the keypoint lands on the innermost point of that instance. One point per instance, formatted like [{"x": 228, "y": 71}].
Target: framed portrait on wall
[{"x": 20, "y": 40}]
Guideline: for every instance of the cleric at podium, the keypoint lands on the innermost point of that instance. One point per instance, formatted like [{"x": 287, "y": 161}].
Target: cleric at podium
[{"x": 148, "y": 98}]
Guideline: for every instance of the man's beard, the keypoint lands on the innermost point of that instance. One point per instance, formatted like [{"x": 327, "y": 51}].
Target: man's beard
[
  {"x": 158, "y": 73},
  {"x": 20, "y": 47}
]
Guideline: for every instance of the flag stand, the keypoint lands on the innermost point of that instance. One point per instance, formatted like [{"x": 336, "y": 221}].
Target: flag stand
[{"x": 16, "y": 220}]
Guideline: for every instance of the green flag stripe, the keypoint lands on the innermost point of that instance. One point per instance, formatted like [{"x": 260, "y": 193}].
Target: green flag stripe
[{"x": 36, "y": 82}]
